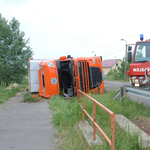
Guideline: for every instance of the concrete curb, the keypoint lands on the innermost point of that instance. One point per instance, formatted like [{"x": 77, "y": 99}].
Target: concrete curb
[
  {"x": 88, "y": 133},
  {"x": 132, "y": 129}
]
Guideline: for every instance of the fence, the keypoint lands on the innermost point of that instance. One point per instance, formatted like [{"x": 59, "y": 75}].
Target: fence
[{"x": 95, "y": 125}]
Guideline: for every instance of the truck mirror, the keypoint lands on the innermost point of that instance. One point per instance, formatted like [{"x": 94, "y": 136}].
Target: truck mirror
[
  {"x": 129, "y": 57},
  {"x": 129, "y": 48}
]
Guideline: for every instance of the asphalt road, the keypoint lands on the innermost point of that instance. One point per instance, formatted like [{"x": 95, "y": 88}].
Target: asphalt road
[
  {"x": 26, "y": 126},
  {"x": 114, "y": 85}
]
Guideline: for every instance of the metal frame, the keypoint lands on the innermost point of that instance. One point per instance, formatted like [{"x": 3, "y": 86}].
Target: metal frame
[{"x": 95, "y": 125}]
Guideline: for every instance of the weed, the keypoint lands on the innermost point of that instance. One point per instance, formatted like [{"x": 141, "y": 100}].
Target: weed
[{"x": 28, "y": 98}]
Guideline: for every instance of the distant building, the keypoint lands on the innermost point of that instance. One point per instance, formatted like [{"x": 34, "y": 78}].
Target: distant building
[{"x": 110, "y": 64}]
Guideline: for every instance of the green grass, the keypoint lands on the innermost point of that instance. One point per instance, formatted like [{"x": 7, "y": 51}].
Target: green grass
[
  {"x": 119, "y": 80},
  {"x": 67, "y": 114},
  {"x": 28, "y": 98},
  {"x": 6, "y": 94}
]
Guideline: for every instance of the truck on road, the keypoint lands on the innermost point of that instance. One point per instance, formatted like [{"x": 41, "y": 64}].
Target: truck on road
[{"x": 139, "y": 70}]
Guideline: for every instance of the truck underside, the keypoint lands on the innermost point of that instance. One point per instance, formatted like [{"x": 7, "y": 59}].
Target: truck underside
[{"x": 89, "y": 77}]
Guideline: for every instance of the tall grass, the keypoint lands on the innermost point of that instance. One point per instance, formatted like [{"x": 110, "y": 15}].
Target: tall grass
[
  {"x": 67, "y": 114},
  {"x": 6, "y": 94}
]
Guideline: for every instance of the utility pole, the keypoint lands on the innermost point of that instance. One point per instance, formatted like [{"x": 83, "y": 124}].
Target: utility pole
[
  {"x": 116, "y": 64},
  {"x": 125, "y": 59}
]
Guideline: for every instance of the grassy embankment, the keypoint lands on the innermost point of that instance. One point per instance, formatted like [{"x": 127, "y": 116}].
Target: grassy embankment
[
  {"x": 67, "y": 114},
  {"x": 5, "y": 94}
]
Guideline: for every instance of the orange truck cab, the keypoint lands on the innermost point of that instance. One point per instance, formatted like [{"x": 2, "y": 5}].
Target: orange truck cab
[
  {"x": 48, "y": 78},
  {"x": 69, "y": 74}
]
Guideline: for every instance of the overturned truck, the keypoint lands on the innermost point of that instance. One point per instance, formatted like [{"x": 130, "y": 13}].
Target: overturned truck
[{"x": 66, "y": 75}]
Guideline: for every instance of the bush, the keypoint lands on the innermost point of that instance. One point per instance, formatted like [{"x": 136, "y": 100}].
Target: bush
[
  {"x": 118, "y": 74},
  {"x": 114, "y": 75}
]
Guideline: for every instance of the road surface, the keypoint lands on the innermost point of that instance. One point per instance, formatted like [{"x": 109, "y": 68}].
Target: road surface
[{"x": 114, "y": 85}]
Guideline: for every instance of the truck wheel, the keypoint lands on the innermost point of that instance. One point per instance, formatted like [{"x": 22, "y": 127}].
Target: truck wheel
[{"x": 68, "y": 56}]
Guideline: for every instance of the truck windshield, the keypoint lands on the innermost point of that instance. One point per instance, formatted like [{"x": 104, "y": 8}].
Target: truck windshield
[{"x": 142, "y": 52}]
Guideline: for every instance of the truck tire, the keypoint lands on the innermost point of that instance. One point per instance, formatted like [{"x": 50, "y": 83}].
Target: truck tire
[{"x": 68, "y": 56}]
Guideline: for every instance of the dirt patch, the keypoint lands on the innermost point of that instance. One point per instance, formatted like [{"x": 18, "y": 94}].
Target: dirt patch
[
  {"x": 143, "y": 123},
  {"x": 15, "y": 85}
]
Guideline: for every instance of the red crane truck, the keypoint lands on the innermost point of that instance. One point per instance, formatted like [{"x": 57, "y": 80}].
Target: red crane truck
[{"x": 139, "y": 71}]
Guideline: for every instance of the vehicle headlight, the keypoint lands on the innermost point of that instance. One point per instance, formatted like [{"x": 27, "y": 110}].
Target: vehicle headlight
[
  {"x": 50, "y": 64},
  {"x": 136, "y": 80}
]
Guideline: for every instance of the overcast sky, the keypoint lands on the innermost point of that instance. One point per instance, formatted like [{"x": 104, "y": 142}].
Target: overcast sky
[{"x": 78, "y": 27}]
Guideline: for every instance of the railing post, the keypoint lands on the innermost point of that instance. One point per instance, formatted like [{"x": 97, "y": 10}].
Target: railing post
[
  {"x": 113, "y": 131},
  {"x": 78, "y": 96},
  {"x": 82, "y": 110},
  {"x": 94, "y": 119}
]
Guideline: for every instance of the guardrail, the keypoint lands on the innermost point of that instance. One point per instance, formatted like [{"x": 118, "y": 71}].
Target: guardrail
[
  {"x": 136, "y": 94},
  {"x": 95, "y": 125},
  {"x": 142, "y": 92},
  {"x": 133, "y": 90}
]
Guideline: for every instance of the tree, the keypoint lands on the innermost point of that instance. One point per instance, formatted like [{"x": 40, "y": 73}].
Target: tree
[
  {"x": 121, "y": 69},
  {"x": 119, "y": 73},
  {"x": 14, "y": 52}
]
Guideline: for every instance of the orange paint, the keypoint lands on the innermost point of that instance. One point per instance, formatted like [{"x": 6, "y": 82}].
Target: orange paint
[
  {"x": 69, "y": 75},
  {"x": 35, "y": 95},
  {"x": 95, "y": 125}
]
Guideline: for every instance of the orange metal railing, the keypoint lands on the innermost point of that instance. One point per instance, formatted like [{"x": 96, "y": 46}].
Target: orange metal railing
[{"x": 95, "y": 125}]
